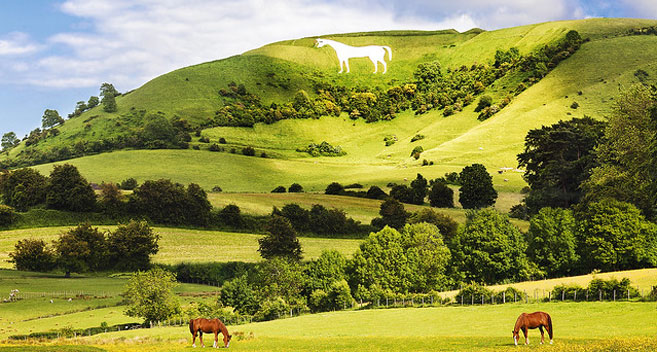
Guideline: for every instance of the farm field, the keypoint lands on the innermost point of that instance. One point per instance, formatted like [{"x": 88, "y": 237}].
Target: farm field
[{"x": 185, "y": 245}]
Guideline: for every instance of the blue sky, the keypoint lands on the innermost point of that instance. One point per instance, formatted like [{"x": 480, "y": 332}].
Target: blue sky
[{"x": 55, "y": 53}]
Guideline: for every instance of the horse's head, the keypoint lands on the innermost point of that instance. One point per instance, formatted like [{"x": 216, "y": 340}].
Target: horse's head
[
  {"x": 320, "y": 42},
  {"x": 227, "y": 340},
  {"x": 516, "y": 336}
]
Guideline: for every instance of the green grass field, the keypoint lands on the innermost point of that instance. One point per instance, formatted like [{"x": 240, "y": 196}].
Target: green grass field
[{"x": 184, "y": 245}]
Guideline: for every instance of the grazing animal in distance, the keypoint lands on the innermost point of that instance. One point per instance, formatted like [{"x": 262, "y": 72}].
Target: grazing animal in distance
[
  {"x": 376, "y": 53},
  {"x": 214, "y": 326},
  {"x": 534, "y": 320}
]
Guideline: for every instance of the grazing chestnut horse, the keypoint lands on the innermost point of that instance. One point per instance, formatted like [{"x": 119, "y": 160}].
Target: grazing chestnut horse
[
  {"x": 202, "y": 325},
  {"x": 535, "y": 320}
]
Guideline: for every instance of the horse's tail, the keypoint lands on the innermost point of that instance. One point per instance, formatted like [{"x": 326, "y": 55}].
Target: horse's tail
[
  {"x": 389, "y": 50},
  {"x": 550, "y": 325},
  {"x": 191, "y": 326}
]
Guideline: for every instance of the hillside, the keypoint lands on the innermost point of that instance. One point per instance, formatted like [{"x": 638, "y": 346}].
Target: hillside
[{"x": 591, "y": 77}]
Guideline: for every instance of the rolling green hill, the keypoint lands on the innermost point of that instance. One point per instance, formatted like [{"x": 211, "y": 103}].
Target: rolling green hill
[{"x": 591, "y": 77}]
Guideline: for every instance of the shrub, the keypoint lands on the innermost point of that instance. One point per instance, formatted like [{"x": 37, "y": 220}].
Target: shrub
[
  {"x": 150, "y": 295},
  {"x": 231, "y": 215},
  {"x": 295, "y": 188},
  {"x": 217, "y": 189},
  {"x": 68, "y": 190},
  {"x": 417, "y": 151},
  {"x": 23, "y": 188},
  {"x": 392, "y": 214},
  {"x": 445, "y": 224},
  {"x": 214, "y": 147},
  {"x": 519, "y": 211},
  {"x": 222, "y": 140},
  {"x": 334, "y": 188},
  {"x": 574, "y": 105},
  {"x": 298, "y": 216},
  {"x": 472, "y": 293},
  {"x": 403, "y": 194},
  {"x": 196, "y": 147},
  {"x": 278, "y": 189},
  {"x": 131, "y": 246},
  {"x": 7, "y": 215},
  {"x": 375, "y": 192},
  {"x": 248, "y": 151},
  {"x": 281, "y": 240},
  {"x": 204, "y": 140},
  {"x": 128, "y": 184},
  {"x": 353, "y": 185},
  {"x": 484, "y": 102},
  {"x": 417, "y": 137}
]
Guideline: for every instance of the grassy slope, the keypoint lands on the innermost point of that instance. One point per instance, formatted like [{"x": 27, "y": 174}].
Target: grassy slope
[
  {"x": 183, "y": 245},
  {"x": 596, "y": 70}
]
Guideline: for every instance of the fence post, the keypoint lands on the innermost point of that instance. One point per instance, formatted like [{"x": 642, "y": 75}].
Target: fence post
[
  {"x": 386, "y": 301},
  {"x": 600, "y": 294},
  {"x": 482, "y": 300},
  {"x": 563, "y": 293},
  {"x": 526, "y": 297},
  {"x": 514, "y": 296},
  {"x": 504, "y": 297},
  {"x": 575, "y": 295},
  {"x": 550, "y": 296},
  {"x": 628, "y": 294},
  {"x": 472, "y": 299}
]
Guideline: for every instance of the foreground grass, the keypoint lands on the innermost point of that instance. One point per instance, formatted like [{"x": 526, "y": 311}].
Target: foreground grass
[
  {"x": 592, "y": 326},
  {"x": 186, "y": 245}
]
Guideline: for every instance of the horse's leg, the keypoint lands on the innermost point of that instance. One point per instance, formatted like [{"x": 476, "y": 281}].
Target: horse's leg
[
  {"x": 385, "y": 66},
  {"x": 542, "y": 336},
  {"x": 340, "y": 62},
  {"x": 216, "y": 340},
  {"x": 194, "y": 339},
  {"x": 200, "y": 337},
  {"x": 375, "y": 64},
  {"x": 346, "y": 63},
  {"x": 524, "y": 331}
]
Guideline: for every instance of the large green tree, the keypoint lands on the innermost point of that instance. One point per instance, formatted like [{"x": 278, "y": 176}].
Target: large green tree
[
  {"x": 558, "y": 159},
  {"x": 51, "y": 118},
  {"x": 83, "y": 248},
  {"x": 150, "y": 295},
  {"x": 625, "y": 152},
  {"x": 552, "y": 242},
  {"x": 441, "y": 196},
  {"x": 413, "y": 260},
  {"x": 9, "y": 141},
  {"x": 68, "y": 190},
  {"x": 489, "y": 249},
  {"x": 476, "y": 187},
  {"x": 130, "y": 246},
  {"x": 32, "y": 255},
  {"x": 615, "y": 236},
  {"x": 109, "y": 93},
  {"x": 281, "y": 240},
  {"x": 22, "y": 188}
]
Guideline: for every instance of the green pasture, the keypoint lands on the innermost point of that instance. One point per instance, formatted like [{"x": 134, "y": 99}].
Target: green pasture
[
  {"x": 577, "y": 327},
  {"x": 185, "y": 245}
]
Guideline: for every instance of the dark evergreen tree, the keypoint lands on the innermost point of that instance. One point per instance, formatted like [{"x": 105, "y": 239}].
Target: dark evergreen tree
[{"x": 476, "y": 187}]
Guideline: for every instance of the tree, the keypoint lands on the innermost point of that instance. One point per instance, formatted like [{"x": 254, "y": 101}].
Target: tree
[
  {"x": 111, "y": 198},
  {"x": 441, "y": 196},
  {"x": 81, "y": 249},
  {"x": 239, "y": 294},
  {"x": 32, "y": 255},
  {"x": 413, "y": 260},
  {"x": 165, "y": 202},
  {"x": 334, "y": 188},
  {"x": 392, "y": 214},
  {"x": 231, "y": 215},
  {"x": 281, "y": 240},
  {"x": 419, "y": 187},
  {"x": 51, "y": 118},
  {"x": 7, "y": 215},
  {"x": 615, "y": 236},
  {"x": 9, "y": 141},
  {"x": 128, "y": 184},
  {"x": 298, "y": 216},
  {"x": 158, "y": 132},
  {"x": 476, "y": 187},
  {"x": 108, "y": 89},
  {"x": 445, "y": 224},
  {"x": 375, "y": 192},
  {"x": 280, "y": 277},
  {"x": 131, "y": 246},
  {"x": 68, "y": 190},
  {"x": 489, "y": 249},
  {"x": 197, "y": 206},
  {"x": 558, "y": 159},
  {"x": 625, "y": 152},
  {"x": 331, "y": 266},
  {"x": 23, "y": 188},
  {"x": 484, "y": 102},
  {"x": 552, "y": 242},
  {"x": 93, "y": 102},
  {"x": 403, "y": 194},
  {"x": 109, "y": 103},
  {"x": 150, "y": 295}
]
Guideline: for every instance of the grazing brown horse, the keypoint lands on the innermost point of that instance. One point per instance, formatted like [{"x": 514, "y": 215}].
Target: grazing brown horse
[
  {"x": 535, "y": 320},
  {"x": 202, "y": 325}
]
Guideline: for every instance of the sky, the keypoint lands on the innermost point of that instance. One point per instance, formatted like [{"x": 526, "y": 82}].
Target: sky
[{"x": 55, "y": 53}]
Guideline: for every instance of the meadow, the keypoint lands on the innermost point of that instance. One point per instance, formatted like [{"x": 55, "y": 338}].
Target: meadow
[{"x": 186, "y": 245}]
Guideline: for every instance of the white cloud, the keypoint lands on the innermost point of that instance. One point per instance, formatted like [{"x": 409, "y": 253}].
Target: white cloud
[{"x": 17, "y": 43}]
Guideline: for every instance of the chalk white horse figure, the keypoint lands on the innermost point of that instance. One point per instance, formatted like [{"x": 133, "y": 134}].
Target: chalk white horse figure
[{"x": 376, "y": 53}]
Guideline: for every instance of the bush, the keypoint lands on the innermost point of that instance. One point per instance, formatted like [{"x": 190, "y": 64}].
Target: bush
[
  {"x": 214, "y": 147},
  {"x": 32, "y": 255},
  {"x": 222, "y": 140},
  {"x": 417, "y": 137},
  {"x": 375, "y": 192},
  {"x": 131, "y": 246},
  {"x": 231, "y": 215},
  {"x": 204, "y": 140},
  {"x": 248, "y": 151},
  {"x": 392, "y": 214},
  {"x": 295, "y": 188},
  {"x": 7, "y": 215},
  {"x": 472, "y": 293},
  {"x": 403, "y": 194},
  {"x": 417, "y": 151},
  {"x": 445, "y": 224},
  {"x": 281, "y": 240},
  {"x": 68, "y": 190},
  {"x": 164, "y": 202},
  {"x": 574, "y": 105},
  {"x": 298, "y": 217},
  {"x": 128, "y": 184},
  {"x": 217, "y": 189},
  {"x": 334, "y": 188},
  {"x": 279, "y": 189},
  {"x": 519, "y": 211},
  {"x": 23, "y": 188}
]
